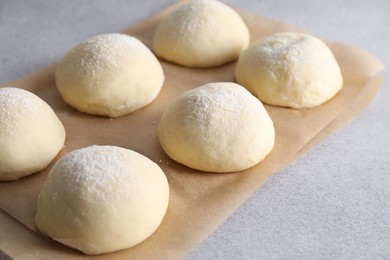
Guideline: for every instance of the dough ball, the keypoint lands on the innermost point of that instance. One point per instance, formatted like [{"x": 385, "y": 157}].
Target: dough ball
[
  {"x": 290, "y": 70},
  {"x": 31, "y": 134},
  {"x": 202, "y": 33},
  {"x": 217, "y": 127},
  {"x": 102, "y": 199},
  {"x": 109, "y": 75}
]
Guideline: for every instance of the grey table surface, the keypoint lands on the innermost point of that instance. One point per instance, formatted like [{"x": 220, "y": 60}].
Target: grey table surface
[{"x": 332, "y": 203}]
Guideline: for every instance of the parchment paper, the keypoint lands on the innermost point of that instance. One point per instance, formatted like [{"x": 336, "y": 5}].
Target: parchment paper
[{"x": 199, "y": 201}]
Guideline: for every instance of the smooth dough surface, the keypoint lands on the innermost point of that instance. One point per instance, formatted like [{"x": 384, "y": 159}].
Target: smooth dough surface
[
  {"x": 109, "y": 75},
  {"x": 202, "y": 33},
  {"x": 31, "y": 134},
  {"x": 217, "y": 127},
  {"x": 102, "y": 199},
  {"x": 290, "y": 69}
]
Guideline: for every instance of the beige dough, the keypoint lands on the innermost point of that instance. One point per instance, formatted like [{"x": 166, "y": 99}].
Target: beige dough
[
  {"x": 218, "y": 127},
  {"x": 291, "y": 70},
  {"x": 31, "y": 134},
  {"x": 102, "y": 199},
  {"x": 109, "y": 75},
  {"x": 201, "y": 33}
]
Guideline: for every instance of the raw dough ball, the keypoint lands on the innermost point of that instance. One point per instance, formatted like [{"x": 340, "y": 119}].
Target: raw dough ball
[
  {"x": 109, "y": 75},
  {"x": 218, "y": 127},
  {"x": 31, "y": 134},
  {"x": 290, "y": 69},
  {"x": 202, "y": 33},
  {"x": 102, "y": 199}
]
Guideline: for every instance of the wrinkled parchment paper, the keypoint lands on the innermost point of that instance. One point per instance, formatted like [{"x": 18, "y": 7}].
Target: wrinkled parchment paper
[{"x": 199, "y": 201}]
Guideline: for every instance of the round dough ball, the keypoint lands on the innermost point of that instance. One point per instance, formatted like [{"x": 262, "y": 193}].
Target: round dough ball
[
  {"x": 217, "y": 127},
  {"x": 102, "y": 199},
  {"x": 202, "y": 33},
  {"x": 109, "y": 75},
  {"x": 290, "y": 70},
  {"x": 31, "y": 134}
]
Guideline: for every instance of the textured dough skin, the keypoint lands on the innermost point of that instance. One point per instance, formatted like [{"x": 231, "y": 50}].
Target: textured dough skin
[
  {"x": 291, "y": 70},
  {"x": 31, "y": 135},
  {"x": 102, "y": 199},
  {"x": 218, "y": 127},
  {"x": 202, "y": 33},
  {"x": 109, "y": 75}
]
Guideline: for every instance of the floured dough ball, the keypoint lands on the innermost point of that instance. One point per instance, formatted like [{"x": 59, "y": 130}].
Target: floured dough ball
[
  {"x": 217, "y": 127},
  {"x": 202, "y": 33},
  {"x": 31, "y": 134},
  {"x": 102, "y": 199},
  {"x": 109, "y": 75},
  {"x": 291, "y": 70}
]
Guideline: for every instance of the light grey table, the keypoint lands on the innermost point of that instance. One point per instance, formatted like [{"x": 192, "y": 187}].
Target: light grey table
[{"x": 332, "y": 203}]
